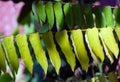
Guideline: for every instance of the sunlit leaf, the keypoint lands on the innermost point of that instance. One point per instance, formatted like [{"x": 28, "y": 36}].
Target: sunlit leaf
[
  {"x": 108, "y": 16},
  {"x": 59, "y": 15},
  {"x": 63, "y": 41},
  {"x": 68, "y": 15},
  {"x": 2, "y": 59},
  {"x": 117, "y": 30},
  {"x": 6, "y": 78},
  {"x": 112, "y": 77},
  {"x": 52, "y": 51},
  {"x": 95, "y": 60},
  {"x": 93, "y": 79},
  {"x": 117, "y": 15},
  {"x": 108, "y": 38},
  {"x": 22, "y": 43},
  {"x": 38, "y": 50},
  {"x": 89, "y": 16},
  {"x": 94, "y": 42},
  {"x": 40, "y": 8},
  {"x": 99, "y": 17},
  {"x": 9, "y": 47},
  {"x": 107, "y": 51},
  {"x": 50, "y": 14},
  {"x": 80, "y": 50}
]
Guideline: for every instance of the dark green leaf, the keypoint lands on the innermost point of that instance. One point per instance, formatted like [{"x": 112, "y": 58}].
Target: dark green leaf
[
  {"x": 88, "y": 16},
  {"x": 68, "y": 15},
  {"x": 78, "y": 17},
  {"x": 108, "y": 16},
  {"x": 99, "y": 17},
  {"x": 117, "y": 16},
  {"x": 6, "y": 78}
]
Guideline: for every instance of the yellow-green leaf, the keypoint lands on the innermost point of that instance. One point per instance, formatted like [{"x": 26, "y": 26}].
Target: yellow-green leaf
[
  {"x": 50, "y": 14},
  {"x": 22, "y": 43},
  {"x": 94, "y": 42},
  {"x": 52, "y": 51},
  {"x": 63, "y": 42},
  {"x": 59, "y": 15},
  {"x": 11, "y": 52},
  {"x": 107, "y": 51},
  {"x": 2, "y": 59},
  {"x": 108, "y": 38},
  {"x": 38, "y": 50},
  {"x": 117, "y": 30},
  {"x": 80, "y": 50},
  {"x": 95, "y": 60}
]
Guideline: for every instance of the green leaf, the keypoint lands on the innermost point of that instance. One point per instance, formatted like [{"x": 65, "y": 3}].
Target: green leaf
[
  {"x": 50, "y": 14},
  {"x": 52, "y": 51},
  {"x": 89, "y": 16},
  {"x": 63, "y": 41},
  {"x": 59, "y": 15},
  {"x": 99, "y": 17},
  {"x": 108, "y": 16},
  {"x": 6, "y": 78},
  {"x": 16, "y": 31},
  {"x": 94, "y": 42},
  {"x": 22, "y": 43},
  {"x": 40, "y": 8},
  {"x": 112, "y": 77},
  {"x": 11, "y": 53},
  {"x": 44, "y": 29},
  {"x": 79, "y": 47},
  {"x": 117, "y": 30},
  {"x": 102, "y": 78},
  {"x": 68, "y": 15},
  {"x": 2, "y": 60},
  {"x": 108, "y": 38},
  {"x": 77, "y": 15},
  {"x": 38, "y": 50},
  {"x": 117, "y": 15}
]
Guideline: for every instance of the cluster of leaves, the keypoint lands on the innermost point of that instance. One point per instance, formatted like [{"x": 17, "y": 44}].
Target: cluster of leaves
[
  {"x": 101, "y": 43},
  {"x": 69, "y": 15},
  {"x": 70, "y": 49}
]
